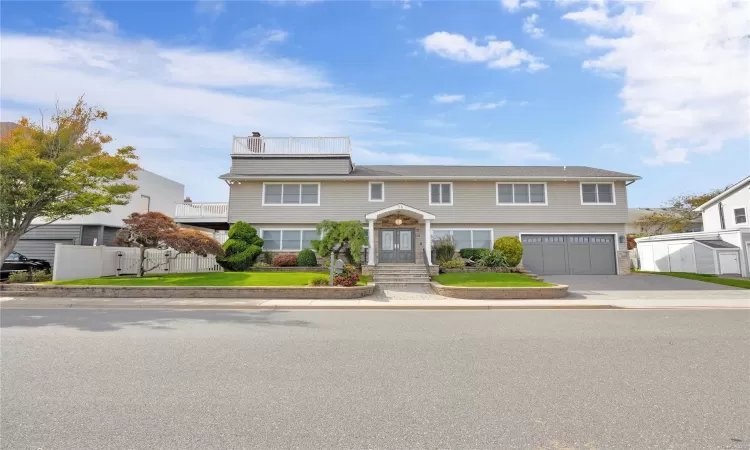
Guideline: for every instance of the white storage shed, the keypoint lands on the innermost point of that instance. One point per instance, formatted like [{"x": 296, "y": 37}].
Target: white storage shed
[{"x": 709, "y": 256}]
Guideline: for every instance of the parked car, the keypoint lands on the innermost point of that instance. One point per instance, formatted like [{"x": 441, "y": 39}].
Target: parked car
[{"x": 16, "y": 261}]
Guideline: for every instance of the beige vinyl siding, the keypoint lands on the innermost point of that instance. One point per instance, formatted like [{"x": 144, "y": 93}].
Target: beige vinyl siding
[
  {"x": 473, "y": 202},
  {"x": 290, "y": 166}
]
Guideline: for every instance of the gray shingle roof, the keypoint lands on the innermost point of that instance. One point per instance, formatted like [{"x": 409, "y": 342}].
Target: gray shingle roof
[
  {"x": 409, "y": 171},
  {"x": 715, "y": 243},
  {"x": 487, "y": 171}
]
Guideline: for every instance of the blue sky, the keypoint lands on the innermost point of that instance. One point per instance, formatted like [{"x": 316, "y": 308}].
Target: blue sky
[{"x": 633, "y": 87}]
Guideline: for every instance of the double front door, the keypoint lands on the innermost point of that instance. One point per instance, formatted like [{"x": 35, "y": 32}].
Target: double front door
[{"x": 396, "y": 245}]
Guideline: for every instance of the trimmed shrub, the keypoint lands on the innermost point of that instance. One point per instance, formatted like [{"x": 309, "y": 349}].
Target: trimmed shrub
[
  {"x": 512, "y": 249},
  {"x": 19, "y": 276},
  {"x": 39, "y": 276},
  {"x": 266, "y": 256},
  {"x": 452, "y": 264},
  {"x": 261, "y": 264},
  {"x": 445, "y": 248},
  {"x": 474, "y": 254},
  {"x": 241, "y": 249},
  {"x": 495, "y": 258},
  {"x": 307, "y": 258},
  {"x": 284, "y": 260},
  {"x": 319, "y": 280},
  {"x": 346, "y": 279}
]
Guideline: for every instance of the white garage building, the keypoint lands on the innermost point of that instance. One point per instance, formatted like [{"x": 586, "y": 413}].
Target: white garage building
[{"x": 722, "y": 249}]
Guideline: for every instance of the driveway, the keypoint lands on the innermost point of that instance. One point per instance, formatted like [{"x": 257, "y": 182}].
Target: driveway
[{"x": 642, "y": 286}]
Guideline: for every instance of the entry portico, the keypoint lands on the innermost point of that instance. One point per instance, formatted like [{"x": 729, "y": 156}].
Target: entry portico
[{"x": 398, "y": 233}]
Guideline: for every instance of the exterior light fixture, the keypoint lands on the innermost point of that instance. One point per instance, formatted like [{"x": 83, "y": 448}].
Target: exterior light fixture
[{"x": 399, "y": 221}]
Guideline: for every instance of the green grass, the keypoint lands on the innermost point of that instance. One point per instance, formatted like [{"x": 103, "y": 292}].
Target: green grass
[
  {"x": 488, "y": 279},
  {"x": 204, "y": 279},
  {"x": 736, "y": 282}
]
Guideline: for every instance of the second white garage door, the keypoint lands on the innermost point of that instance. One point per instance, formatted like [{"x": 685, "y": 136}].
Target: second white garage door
[{"x": 569, "y": 254}]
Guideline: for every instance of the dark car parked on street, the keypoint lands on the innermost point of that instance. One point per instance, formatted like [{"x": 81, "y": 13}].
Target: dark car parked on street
[{"x": 16, "y": 261}]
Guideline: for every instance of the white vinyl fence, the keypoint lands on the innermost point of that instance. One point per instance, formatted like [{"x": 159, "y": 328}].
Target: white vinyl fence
[{"x": 77, "y": 261}]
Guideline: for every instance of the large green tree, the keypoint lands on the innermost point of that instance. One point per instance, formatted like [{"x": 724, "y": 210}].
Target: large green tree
[
  {"x": 59, "y": 169},
  {"x": 676, "y": 215}
]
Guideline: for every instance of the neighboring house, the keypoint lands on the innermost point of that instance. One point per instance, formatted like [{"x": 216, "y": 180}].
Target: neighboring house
[
  {"x": 723, "y": 247},
  {"x": 570, "y": 219},
  {"x": 155, "y": 193},
  {"x": 635, "y": 214}
]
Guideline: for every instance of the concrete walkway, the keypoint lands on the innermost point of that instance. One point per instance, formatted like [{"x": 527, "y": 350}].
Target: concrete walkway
[{"x": 385, "y": 299}]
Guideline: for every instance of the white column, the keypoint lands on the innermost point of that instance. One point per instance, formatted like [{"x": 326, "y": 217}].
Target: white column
[
  {"x": 428, "y": 241},
  {"x": 371, "y": 238}
]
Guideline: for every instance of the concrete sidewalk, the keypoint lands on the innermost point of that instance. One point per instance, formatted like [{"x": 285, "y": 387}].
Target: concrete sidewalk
[{"x": 370, "y": 303}]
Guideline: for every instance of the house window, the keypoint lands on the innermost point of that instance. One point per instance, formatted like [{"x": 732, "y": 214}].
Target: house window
[
  {"x": 521, "y": 194},
  {"x": 465, "y": 238},
  {"x": 740, "y": 216},
  {"x": 288, "y": 240},
  {"x": 291, "y": 194},
  {"x": 441, "y": 193},
  {"x": 377, "y": 191},
  {"x": 598, "y": 193}
]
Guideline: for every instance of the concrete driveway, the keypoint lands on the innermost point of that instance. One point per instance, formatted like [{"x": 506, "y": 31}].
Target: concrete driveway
[{"x": 643, "y": 286}]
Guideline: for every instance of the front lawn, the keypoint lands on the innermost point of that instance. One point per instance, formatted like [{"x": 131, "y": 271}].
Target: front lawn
[
  {"x": 488, "y": 279},
  {"x": 205, "y": 279},
  {"x": 736, "y": 282}
]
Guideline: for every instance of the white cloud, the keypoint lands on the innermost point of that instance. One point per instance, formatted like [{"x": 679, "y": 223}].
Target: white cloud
[
  {"x": 90, "y": 18},
  {"x": 448, "y": 98},
  {"x": 179, "y": 106},
  {"x": 530, "y": 27},
  {"x": 261, "y": 37},
  {"x": 480, "y": 106},
  {"x": 496, "y": 54},
  {"x": 509, "y": 152},
  {"x": 515, "y": 5},
  {"x": 212, "y": 8},
  {"x": 685, "y": 72},
  {"x": 365, "y": 156}
]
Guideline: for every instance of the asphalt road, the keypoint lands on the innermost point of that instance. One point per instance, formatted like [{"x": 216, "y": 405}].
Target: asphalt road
[{"x": 79, "y": 379}]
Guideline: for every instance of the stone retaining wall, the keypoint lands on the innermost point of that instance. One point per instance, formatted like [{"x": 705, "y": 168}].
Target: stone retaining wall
[
  {"x": 494, "y": 293},
  {"x": 269, "y": 292}
]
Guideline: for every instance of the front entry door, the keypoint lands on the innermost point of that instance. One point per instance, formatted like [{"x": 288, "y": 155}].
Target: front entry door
[{"x": 397, "y": 246}]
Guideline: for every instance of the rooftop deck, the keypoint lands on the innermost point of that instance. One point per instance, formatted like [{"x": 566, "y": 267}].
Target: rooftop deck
[
  {"x": 292, "y": 146},
  {"x": 198, "y": 213}
]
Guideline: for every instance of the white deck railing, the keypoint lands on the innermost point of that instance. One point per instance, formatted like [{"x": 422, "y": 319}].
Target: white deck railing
[
  {"x": 200, "y": 210},
  {"x": 291, "y": 145}
]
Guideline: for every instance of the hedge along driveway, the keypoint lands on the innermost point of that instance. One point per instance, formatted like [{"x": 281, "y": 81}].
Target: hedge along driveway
[{"x": 204, "y": 279}]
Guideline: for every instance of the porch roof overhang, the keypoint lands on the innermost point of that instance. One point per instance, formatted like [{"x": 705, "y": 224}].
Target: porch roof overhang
[{"x": 401, "y": 209}]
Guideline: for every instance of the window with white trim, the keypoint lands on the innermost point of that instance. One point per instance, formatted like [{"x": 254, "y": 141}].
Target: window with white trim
[
  {"x": 377, "y": 191},
  {"x": 441, "y": 193},
  {"x": 466, "y": 238},
  {"x": 521, "y": 194},
  {"x": 740, "y": 215},
  {"x": 291, "y": 194},
  {"x": 288, "y": 240},
  {"x": 598, "y": 193}
]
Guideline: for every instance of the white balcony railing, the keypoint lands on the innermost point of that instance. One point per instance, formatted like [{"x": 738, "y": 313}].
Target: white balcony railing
[
  {"x": 201, "y": 210},
  {"x": 291, "y": 145}
]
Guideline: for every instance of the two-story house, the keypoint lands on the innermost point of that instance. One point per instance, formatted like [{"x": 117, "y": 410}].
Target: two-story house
[
  {"x": 571, "y": 220},
  {"x": 723, "y": 247}
]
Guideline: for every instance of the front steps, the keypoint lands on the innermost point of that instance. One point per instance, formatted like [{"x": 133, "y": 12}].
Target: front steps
[{"x": 401, "y": 274}]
